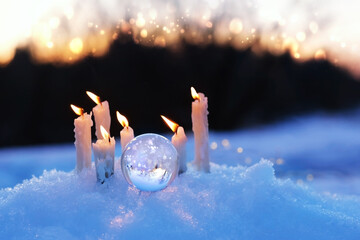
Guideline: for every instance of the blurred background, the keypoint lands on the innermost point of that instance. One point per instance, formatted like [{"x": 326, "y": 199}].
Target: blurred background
[
  {"x": 258, "y": 62},
  {"x": 277, "y": 75},
  {"x": 140, "y": 82}
]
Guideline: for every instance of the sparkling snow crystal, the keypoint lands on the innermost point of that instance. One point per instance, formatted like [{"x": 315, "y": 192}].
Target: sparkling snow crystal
[{"x": 229, "y": 203}]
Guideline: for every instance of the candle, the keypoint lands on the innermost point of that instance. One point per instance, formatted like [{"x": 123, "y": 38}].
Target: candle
[
  {"x": 127, "y": 134},
  {"x": 104, "y": 152},
  {"x": 201, "y": 130},
  {"x": 179, "y": 141},
  {"x": 101, "y": 114},
  {"x": 82, "y": 131}
]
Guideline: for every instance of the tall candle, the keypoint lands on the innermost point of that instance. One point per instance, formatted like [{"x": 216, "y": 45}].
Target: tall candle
[
  {"x": 82, "y": 131},
  {"x": 179, "y": 141},
  {"x": 127, "y": 133},
  {"x": 101, "y": 113},
  {"x": 104, "y": 152},
  {"x": 201, "y": 130}
]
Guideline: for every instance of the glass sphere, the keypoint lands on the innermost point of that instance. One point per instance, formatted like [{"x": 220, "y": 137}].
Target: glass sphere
[{"x": 149, "y": 162}]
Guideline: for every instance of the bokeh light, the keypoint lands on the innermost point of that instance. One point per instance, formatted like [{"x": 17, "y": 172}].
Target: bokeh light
[{"x": 307, "y": 29}]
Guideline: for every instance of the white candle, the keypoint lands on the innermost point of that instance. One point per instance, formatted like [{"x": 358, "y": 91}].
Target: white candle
[
  {"x": 104, "y": 152},
  {"x": 82, "y": 131},
  {"x": 101, "y": 114},
  {"x": 179, "y": 141},
  {"x": 127, "y": 133},
  {"x": 201, "y": 130}
]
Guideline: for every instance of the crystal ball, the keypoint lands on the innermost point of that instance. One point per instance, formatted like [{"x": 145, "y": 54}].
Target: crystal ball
[{"x": 149, "y": 162}]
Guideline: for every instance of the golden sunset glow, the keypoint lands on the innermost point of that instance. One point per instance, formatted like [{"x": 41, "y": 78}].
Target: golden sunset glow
[
  {"x": 76, "y": 45},
  {"x": 62, "y": 32}
]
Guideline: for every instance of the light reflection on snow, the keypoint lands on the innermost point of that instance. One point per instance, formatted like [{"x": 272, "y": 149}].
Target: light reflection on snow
[
  {"x": 279, "y": 161},
  {"x": 186, "y": 217},
  {"x": 122, "y": 220},
  {"x": 248, "y": 160},
  {"x": 213, "y": 145},
  {"x": 225, "y": 143},
  {"x": 309, "y": 177}
]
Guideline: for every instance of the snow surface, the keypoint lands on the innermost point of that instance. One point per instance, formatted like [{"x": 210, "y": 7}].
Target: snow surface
[
  {"x": 230, "y": 203},
  {"x": 315, "y": 193},
  {"x": 322, "y": 148}
]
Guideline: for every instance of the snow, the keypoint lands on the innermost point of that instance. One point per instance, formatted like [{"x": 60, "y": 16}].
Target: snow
[
  {"x": 308, "y": 189},
  {"x": 230, "y": 203}
]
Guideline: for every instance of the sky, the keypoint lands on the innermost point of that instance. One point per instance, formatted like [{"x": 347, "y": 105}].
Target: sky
[{"x": 66, "y": 31}]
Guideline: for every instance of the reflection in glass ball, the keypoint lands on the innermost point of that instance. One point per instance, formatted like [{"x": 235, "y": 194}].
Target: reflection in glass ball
[{"x": 149, "y": 162}]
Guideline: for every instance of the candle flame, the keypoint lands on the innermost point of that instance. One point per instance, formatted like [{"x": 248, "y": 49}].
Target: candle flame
[
  {"x": 77, "y": 110},
  {"x": 122, "y": 119},
  {"x": 194, "y": 94},
  {"x": 172, "y": 125},
  {"x": 104, "y": 133},
  {"x": 94, "y": 97}
]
